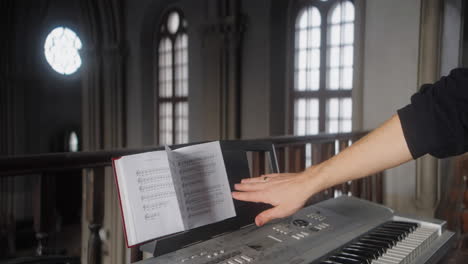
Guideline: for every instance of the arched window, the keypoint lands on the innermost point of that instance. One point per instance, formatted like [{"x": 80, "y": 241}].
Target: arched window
[
  {"x": 172, "y": 75},
  {"x": 340, "y": 50},
  {"x": 323, "y": 67},
  {"x": 307, "y": 71}
]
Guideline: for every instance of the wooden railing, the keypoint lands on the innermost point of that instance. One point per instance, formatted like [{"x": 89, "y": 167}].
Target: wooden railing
[{"x": 293, "y": 153}]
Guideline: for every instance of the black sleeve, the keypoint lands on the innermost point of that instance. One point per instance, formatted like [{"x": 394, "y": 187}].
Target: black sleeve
[{"x": 436, "y": 121}]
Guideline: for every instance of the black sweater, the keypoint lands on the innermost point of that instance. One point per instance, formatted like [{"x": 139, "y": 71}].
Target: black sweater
[{"x": 436, "y": 121}]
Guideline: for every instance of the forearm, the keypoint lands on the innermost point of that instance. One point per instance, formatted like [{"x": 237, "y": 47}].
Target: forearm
[{"x": 383, "y": 148}]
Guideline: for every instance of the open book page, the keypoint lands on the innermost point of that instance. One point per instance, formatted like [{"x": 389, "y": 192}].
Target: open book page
[
  {"x": 204, "y": 184},
  {"x": 149, "y": 200}
]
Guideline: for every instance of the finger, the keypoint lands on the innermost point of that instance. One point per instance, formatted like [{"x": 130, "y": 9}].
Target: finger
[
  {"x": 270, "y": 214},
  {"x": 260, "y": 178},
  {"x": 271, "y": 177},
  {"x": 249, "y": 187},
  {"x": 256, "y": 197},
  {"x": 253, "y": 186},
  {"x": 258, "y": 186}
]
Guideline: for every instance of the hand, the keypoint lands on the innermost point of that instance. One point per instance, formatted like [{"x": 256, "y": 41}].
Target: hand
[
  {"x": 383, "y": 148},
  {"x": 287, "y": 192}
]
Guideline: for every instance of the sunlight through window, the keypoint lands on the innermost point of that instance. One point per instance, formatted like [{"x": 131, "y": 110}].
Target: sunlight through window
[{"x": 61, "y": 50}]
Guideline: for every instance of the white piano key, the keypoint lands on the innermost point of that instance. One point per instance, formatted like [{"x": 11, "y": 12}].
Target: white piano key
[
  {"x": 398, "y": 251},
  {"x": 381, "y": 262},
  {"x": 389, "y": 259},
  {"x": 394, "y": 255}
]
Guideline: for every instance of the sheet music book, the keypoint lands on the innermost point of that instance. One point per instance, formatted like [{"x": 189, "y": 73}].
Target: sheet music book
[{"x": 170, "y": 191}]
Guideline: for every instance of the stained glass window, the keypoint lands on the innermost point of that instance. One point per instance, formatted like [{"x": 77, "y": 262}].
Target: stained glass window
[
  {"x": 61, "y": 49},
  {"x": 172, "y": 85},
  {"x": 323, "y": 67}
]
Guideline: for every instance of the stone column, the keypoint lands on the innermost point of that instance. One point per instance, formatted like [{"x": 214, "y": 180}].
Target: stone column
[
  {"x": 426, "y": 193},
  {"x": 103, "y": 127}
]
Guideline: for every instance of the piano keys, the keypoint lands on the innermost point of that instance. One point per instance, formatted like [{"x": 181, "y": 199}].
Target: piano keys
[{"x": 396, "y": 241}]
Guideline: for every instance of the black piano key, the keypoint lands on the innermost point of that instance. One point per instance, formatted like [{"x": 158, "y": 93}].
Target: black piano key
[
  {"x": 368, "y": 253},
  {"x": 376, "y": 242},
  {"x": 411, "y": 228},
  {"x": 380, "y": 249},
  {"x": 407, "y": 230},
  {"x": 372, "y": 251},
  {"x": 396, "y": 237},
  {"x": 399, "y": 235},
  {"x": 391, "y": 241},
  {"x": 362, "y": 259},
  {"x": 403, "y": 223},
  {"x": 406, "y": 223},
  {"x": 398, "y": 224},
  {"x": 344, "y": 260},
  {"x": 403, "y": 232}
]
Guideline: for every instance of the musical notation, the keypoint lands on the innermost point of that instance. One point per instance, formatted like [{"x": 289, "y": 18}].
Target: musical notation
[{"x": 154, "y": 184}]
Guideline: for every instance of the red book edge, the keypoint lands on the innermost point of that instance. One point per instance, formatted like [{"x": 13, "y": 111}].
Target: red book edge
[
  {"x": 120, "y": 202},
  {"x": 121, "y": 209}
]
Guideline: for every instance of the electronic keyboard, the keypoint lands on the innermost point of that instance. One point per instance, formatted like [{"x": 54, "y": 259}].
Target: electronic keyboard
[{"x": 344, "y": 230}]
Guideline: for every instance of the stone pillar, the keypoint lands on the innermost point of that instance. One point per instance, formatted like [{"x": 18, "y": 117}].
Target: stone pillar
[
  {"x": 426, "y": 193},
  {"x": 103, "y": 112},
  {"x": 222, "y": 44}
]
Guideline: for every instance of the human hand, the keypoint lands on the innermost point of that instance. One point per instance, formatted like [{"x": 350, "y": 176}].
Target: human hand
[{"x": 287, "y": 192}]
